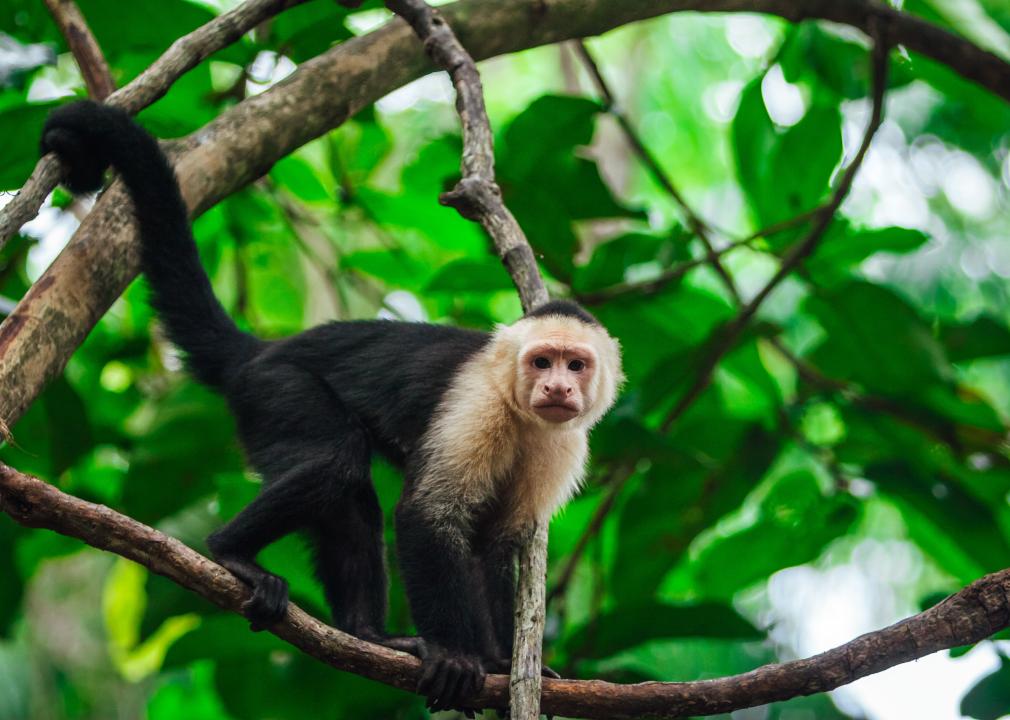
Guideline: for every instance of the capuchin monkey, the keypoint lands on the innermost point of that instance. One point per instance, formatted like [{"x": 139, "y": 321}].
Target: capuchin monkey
[{"x": 489, "y": 429}]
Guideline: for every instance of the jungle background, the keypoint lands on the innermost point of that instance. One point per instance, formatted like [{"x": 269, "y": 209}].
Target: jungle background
[{"x": 846, "y": 466}]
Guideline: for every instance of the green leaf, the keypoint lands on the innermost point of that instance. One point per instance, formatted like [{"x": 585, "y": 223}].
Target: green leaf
[
  {"x": 298, "y": 176},
  {"x": 958, "y": 530},
  {"x": 21, "y": 128},
  {"x": 546, "y": 184},
  {"x": 875, "y": 338},
  {"x": 182, "y": 441},
  {"x": 812, "y": 53},
  {"x": 982, "y": 337},
  {"x": 466, "y": 275},
  {"x": 843, "y": 247},
  {"x": 308, "y": 30},
  {"x": 784, "y": 172},
  {"x": 990, "y": 697},
  {"x": 612, "y": 259},
  {"x": 629, "y": 625},
  {"x": 792, "y": 524},
  {"x": 13, "y": 586}
]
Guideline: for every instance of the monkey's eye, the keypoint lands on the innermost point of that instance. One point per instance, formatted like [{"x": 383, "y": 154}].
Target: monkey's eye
[
  {"x": 541, "y": 362},
  {"x": 577, "y": 365}
]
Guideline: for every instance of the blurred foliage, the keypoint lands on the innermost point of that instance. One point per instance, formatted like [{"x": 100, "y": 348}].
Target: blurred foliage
[{"x": 867, "y": 406}]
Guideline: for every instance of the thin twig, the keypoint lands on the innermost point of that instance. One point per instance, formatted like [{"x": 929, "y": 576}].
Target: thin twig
[
  {"x": 798, "y": 252},
  {"x": 658, "y": 283},
  {"x": 698, "y": 226},
  {"x": 83, "y": 47},
  {"x": 183, "y": 55}
]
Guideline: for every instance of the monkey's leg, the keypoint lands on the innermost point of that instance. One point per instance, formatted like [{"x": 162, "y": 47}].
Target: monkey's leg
[
  {"x": 445, "y": 599},
  {"x": 499, "y": 565},
  {"x": 350, "y": 561},
  {"x": 282, "y": 507}
]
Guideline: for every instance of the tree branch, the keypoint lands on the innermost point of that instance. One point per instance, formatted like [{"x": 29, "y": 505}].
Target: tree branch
[
  {"x": 478, "y": 197},
  {"x": 183, "y": 55},
  {"x": 83, "y": 47},
  {"x": 238, "y": 147},
  {"x": 974, "y": 614}
]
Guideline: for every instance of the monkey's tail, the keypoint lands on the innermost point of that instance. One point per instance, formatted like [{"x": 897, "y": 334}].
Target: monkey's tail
[{"x": 88, "y": 138}]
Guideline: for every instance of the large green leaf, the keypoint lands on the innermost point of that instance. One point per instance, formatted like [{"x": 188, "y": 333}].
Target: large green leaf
[
  {"x": 546, "y": 184},
  {"x": 784, "y": 172},
  {"x": 982, "y": 337},
  {"x": 790, "y": 525},
  {"x": 990, "y": 697},
  {"x": 875, "y": 338},
  {"x": 844, "y": 247},
  {"x": 627, "y": 626},
  {"x": 21, "y": 128}
]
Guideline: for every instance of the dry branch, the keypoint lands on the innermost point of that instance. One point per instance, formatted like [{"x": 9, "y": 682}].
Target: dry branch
[
  {"x": 182, "y": 56},
  {"x": 83, "y": 47},
  {"x": 977, "y": 612}
]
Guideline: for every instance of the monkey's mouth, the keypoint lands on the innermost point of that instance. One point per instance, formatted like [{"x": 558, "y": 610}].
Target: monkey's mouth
[{"x": 557, "y": 412}]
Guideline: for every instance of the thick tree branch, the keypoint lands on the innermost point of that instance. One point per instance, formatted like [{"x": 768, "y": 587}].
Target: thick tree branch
[
  {"x": 83, "y": 47},
  {"x": 70, "y": 297},
  {"x": 183, "y": 55},
  {"x": 975, "y": 613}
]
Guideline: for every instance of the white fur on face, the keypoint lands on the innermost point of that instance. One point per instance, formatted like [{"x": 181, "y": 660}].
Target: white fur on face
[{"x": 486, "y": 441}]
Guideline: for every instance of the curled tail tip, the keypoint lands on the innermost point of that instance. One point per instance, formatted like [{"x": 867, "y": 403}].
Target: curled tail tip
[{"x": 76, "y": 132}]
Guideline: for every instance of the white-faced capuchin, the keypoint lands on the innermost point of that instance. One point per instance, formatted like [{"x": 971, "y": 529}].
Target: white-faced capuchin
[{"x": 489, "y": 429}]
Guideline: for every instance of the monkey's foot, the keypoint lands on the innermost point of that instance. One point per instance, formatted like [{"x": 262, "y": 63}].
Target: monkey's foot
[
  {"x": 450, "y": 678},
  {"x": 269, "y": 601},
  {"x": 268, "y": 604}
]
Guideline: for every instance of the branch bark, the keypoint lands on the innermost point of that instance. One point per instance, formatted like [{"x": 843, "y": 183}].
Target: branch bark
[
  {"x": 83, "y": 47},
  {"x": 182, "y": 56},
  {"x": 977, "y": 612}
]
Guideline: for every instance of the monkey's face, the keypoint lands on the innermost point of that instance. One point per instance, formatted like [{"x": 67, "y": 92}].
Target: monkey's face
[{"x": 556, "y": 377}]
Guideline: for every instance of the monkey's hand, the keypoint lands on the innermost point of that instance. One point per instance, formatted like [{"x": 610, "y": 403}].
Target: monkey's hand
[
  {"x": 449, "y": 678},
  {"x": 503, "y": 666}
]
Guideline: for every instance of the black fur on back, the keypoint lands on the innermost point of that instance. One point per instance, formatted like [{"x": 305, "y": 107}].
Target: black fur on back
[
  {"x": 88, "y": 138},
  {"x": 566, "y": 308}
]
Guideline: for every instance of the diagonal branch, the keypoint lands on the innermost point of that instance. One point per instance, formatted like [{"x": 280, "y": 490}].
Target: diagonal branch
[
  {"x": 974, "y": 614},
  {"x": 802, "y": 249},
  {"x": 694, "y": 222},
  {"x": 83, "y": 47},
  {"x": 476, "y": 196},
  {"x": 182, "y": 56}
]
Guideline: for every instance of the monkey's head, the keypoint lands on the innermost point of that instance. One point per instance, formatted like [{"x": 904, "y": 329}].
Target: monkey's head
[{"x": 567, "y": 368}]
